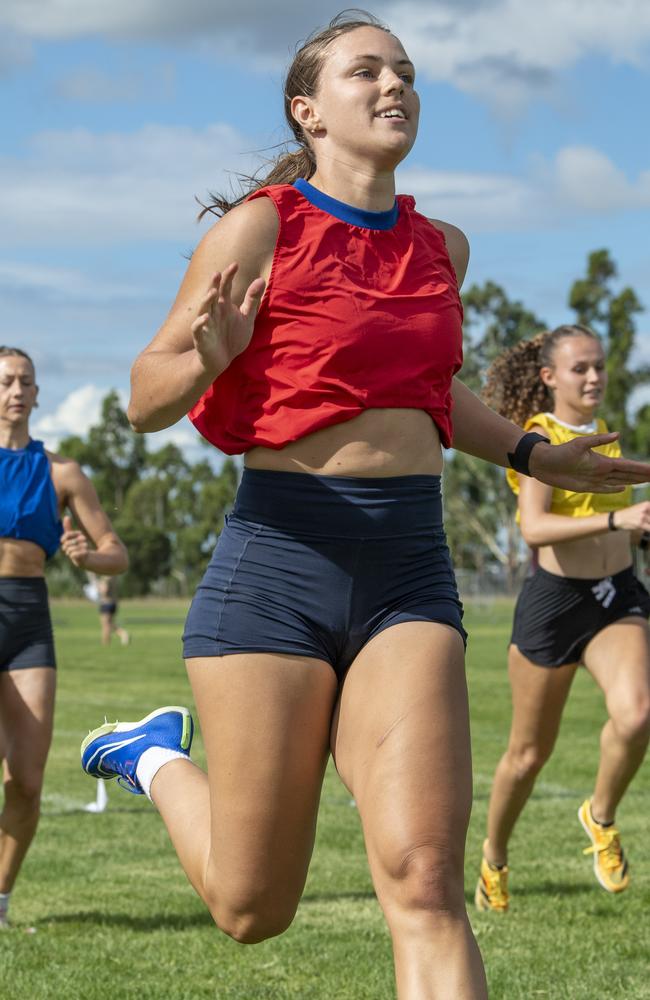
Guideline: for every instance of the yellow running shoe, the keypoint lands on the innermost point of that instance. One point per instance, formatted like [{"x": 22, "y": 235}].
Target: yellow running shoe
[
  {"x": 610, "y": 863},
  {"x": 492, "y": 888}
]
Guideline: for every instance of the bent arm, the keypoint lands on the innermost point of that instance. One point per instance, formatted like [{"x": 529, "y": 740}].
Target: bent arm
[
  {"x": 540, "y": 527},
  {"x": 165, "y": 385},
  {"x": 170, "y": 375},
  {"x": 109, "y": 555}
]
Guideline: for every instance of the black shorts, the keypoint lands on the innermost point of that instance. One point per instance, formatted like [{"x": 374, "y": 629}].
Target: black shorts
[
  {"x": 556, "y": 616},
  {"x": 108, "y": 608},
  {"x": 26, "y": 638},
  {"x": 317, "y": 565}
]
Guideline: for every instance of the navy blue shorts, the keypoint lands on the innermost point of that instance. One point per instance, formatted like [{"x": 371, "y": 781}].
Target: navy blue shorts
[
  {"x": 317, "y": 565},
  {"x": 26, "y": 638},
  {"x": 557, "y": 616}
]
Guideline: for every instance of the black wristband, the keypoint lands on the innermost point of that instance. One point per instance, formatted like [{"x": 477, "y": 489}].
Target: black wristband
[
  {"x": 520, "y": 457},
  {"x": 610, "y": 521}
]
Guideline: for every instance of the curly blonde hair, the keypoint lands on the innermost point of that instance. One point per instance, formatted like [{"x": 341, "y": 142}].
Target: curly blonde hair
[{"x": 513, "y": 385}]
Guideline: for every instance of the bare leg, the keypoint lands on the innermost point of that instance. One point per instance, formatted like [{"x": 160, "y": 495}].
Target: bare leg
[
  {"x": 402, "y": 746},
  {"x": 619, "y": 660},
  {"x": 26, "y": 714},
  {"x": 539, "y": 695},
  {"x": 122, "y": 635},
  {"x": 106, "y": 623},
  {"x": 244, "y": 832}
]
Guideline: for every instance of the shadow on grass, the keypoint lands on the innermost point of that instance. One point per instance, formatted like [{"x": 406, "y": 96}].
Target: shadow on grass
[
  {"x": 171, "y": 921},
  {"x": 546, "y": 889},
  {"x": 73, "y": 812},
  {"x": 331, "y": 897},
  {"x": 542, "y": 794},
  {"x": 152, "y": 922},
  {"x": 554, "y": 889}
]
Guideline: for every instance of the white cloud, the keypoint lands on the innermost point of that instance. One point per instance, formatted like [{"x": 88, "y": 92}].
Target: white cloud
[
  {"x": 588, "y": 180},
  {"x": 183, "y": 435},
  {"x": 247, "y": 24},
  {"x": 579, "y": 181},
  {"x": 47, "y": 282},
  {"x": 75, "y": 415},
  {"x": 96, "y": 189},
  {"x": 81, "y": 410},
  {"x": 15, "y": 51},
  {"x": 91, "y": 85},
  {"x": 502, "y": 51},
  {"x": 506, "y": 51},
  {"x": 474, "y": 201}
]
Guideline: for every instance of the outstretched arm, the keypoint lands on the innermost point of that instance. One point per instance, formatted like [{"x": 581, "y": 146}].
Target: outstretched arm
[{"x": 480, "y": 431}]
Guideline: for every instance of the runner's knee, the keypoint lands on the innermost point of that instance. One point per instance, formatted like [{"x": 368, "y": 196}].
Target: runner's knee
[
  {"x": 632, "y": 721},
  {"x": 252, "y": 918},
  {"x": 23, "y": 789},
  {"x": 527, "y": 761},
  {"x": 426, "y": 878}
]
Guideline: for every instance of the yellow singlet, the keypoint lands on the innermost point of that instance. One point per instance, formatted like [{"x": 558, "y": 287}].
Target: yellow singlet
[{"x": 564, "y": 501}]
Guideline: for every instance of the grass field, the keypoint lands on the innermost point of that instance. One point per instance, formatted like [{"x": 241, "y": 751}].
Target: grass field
[{"x": 115, "y": 917}]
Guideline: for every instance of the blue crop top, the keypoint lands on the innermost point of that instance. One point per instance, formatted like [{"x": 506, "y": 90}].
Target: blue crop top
[{"x": 28, "y": 503}]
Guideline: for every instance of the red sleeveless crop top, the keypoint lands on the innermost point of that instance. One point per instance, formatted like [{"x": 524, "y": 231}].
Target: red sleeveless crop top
[{"x": 361, "y": 311}]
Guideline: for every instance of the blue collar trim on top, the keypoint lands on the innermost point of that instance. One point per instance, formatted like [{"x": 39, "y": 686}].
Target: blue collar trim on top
[{"x": 348, "y": 213}]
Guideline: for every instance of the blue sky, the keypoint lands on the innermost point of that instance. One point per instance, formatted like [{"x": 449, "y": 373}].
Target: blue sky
[{"x": 534, "y": 139}]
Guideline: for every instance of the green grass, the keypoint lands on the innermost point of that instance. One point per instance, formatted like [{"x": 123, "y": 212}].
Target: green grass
[{"x": 115, "y": 917}]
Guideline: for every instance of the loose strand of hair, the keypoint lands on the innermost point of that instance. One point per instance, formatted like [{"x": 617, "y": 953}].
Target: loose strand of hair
[{"x": 285, "y": 169}]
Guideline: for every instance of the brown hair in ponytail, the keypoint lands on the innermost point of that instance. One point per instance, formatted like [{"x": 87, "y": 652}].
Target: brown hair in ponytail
[
  {"x": 513, "y": 385},
  {"x": 301, "y": 79}
]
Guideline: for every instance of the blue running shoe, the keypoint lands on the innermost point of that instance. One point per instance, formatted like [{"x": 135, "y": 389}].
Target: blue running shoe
[{"x": 114, "y": 749}]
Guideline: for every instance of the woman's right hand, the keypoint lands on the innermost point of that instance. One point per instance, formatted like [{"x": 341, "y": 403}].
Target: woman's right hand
[
  {"x": 222, "y": 330},
  {"x": 634, "y": 518}
]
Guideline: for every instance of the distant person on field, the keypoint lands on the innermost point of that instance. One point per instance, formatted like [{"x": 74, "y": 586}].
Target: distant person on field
[
  {"x": 36, "y": 487},
  {"x": 582, "y": 606},
  {"x": 107, "y": 594}
]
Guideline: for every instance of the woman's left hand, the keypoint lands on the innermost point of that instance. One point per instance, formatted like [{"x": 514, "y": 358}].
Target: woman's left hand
[
  {"x": 575, "y": 466},
  {"x": 74, "y": 543}
]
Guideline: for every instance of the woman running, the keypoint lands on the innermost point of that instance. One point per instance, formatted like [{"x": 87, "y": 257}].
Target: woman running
[
  {"x": 107, "y": 603},
  {"x": 318, "y": 330},
  {"x": 582, "y": 605},
  {"x": 36, "y": 487}
]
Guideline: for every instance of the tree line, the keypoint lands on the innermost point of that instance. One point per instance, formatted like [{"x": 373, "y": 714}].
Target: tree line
[{"x": 169, "y": 511}]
